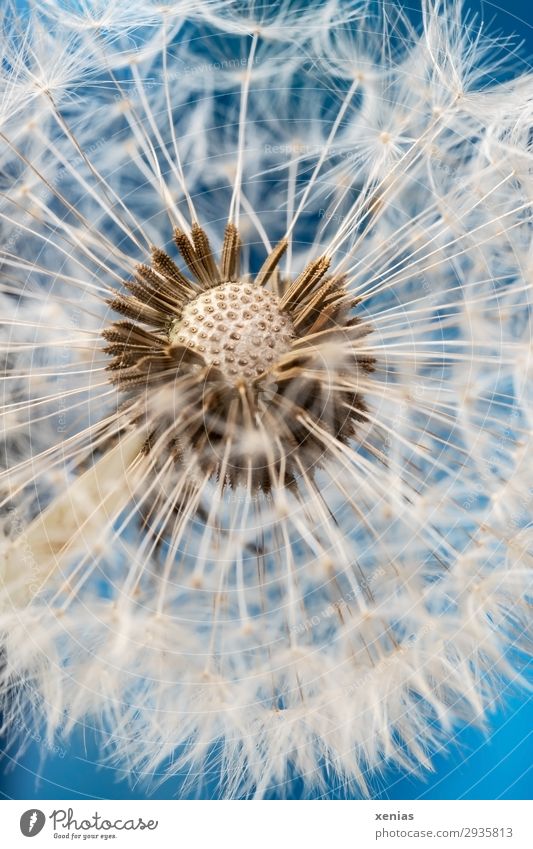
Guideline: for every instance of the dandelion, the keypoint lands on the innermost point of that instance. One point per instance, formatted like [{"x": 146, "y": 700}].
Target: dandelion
[{"x": 267, "y": 419}]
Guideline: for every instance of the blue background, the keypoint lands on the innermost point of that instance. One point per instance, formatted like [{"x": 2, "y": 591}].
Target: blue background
[{"x": 494, "y": 765}]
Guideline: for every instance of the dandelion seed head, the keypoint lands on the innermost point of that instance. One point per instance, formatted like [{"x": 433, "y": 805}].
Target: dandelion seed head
[
  {"x": 236, "y": 327},
  {"x": 245, "y": 352},
  {"x": 267, "y": 418}
]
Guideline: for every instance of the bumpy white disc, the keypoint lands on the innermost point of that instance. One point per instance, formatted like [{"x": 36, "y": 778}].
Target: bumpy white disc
[{"x": 237, "y": 327}]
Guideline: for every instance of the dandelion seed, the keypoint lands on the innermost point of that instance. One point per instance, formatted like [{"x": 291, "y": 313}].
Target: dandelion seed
[{"x": 265, "y": 479}]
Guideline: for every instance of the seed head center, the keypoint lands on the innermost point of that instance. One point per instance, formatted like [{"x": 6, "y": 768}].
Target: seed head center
[{"x": 237, "y": 327}]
